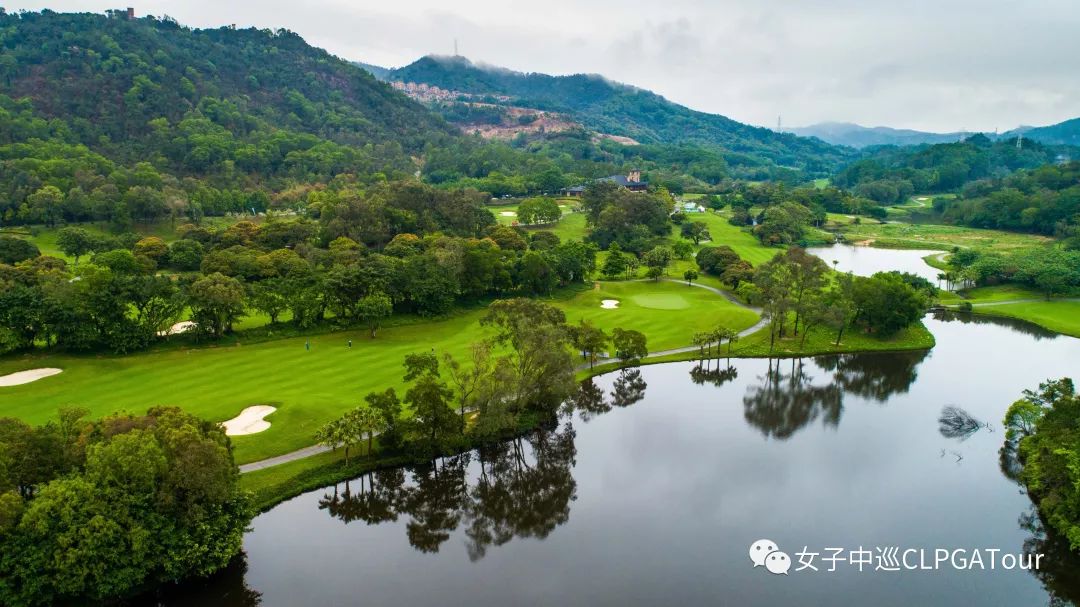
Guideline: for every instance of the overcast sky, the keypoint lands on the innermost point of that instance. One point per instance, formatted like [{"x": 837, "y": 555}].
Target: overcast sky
[{"x": 941, "y": 65}]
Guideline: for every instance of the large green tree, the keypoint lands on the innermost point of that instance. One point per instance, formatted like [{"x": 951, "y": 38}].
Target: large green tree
[
  {"x": 216, "y": 302},
  {"x": 540, "y": 366}
]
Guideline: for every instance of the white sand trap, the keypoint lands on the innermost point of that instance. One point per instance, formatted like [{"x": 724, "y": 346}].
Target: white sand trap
[
  {"x": 508, "y": 213},
  {"x": 249, "y": 421},
  {"x": 609, "y": 304},
  {"x": 179, "y": 327},
  {"x": 24, "y": 377},
  {"x": 922, "y": 198}
]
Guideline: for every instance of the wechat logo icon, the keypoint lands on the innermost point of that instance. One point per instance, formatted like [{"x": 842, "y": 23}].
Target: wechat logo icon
[{"x": 766, "y": 552}]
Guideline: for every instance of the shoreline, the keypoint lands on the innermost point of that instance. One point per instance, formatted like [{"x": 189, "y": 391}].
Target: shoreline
[{"x": 320, "y": 467}]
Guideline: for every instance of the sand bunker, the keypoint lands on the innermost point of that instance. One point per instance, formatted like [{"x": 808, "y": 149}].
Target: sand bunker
[
  {"x": 508, "y": 213},
  {"x": 24, "y": 377},
  {"x": 179, "y": 327},
  {"x": 609, "y": 304},
  {"x": 249, "y": 421}
]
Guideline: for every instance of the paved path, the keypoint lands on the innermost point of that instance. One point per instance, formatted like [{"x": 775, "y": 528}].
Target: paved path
[
  {"x": 284, "y": 459},
  {"x": 317, "y": 449}
]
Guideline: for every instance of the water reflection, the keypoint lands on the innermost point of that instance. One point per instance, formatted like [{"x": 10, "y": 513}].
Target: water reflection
[
  {"x": 1059, "y": 563},
  {"x": 589, "y": 400},
  {"x": 785, "y": 403},
  {"x": 629, "y": 388},
  {"x": 703, "y": 373},
  {"x": 519, "y": 488},
  {"x": 689, "y": 521},
  {"x": 226, "y": 588},
  {"x": 1020, "y": 326},
  {"x": 788, "y": 398},
  {"x": 876, "y": 376}
]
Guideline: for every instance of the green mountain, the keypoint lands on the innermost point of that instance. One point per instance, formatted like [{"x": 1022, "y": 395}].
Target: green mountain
[
  {"x": 108, "y": 118},
  {"x": 857, "y": 136},
  {"x": 123, "y": 84},
  {"x": 617, "y": 109},
  {"x": 1064, "y": 133},
  {"x": 889, "y": 175}
]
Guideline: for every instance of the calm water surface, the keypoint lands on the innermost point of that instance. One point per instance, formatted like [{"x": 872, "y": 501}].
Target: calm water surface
[
  {"x": 653, "y": 490},
  {"x": 864, "y": 261}
]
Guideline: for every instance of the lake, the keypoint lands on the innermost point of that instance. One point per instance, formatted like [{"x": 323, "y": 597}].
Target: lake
[
  {"x": 652, "y": 491},
  {"x": 864, "y": 261}
]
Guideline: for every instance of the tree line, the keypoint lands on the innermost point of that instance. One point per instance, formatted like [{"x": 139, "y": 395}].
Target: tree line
[
  {"x": 358, "y": 264},
  {"x": 1052, "y": 269}
]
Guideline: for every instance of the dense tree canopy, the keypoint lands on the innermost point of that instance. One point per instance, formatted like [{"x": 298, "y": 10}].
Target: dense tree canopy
[
  {"x": 1042, "y": 435},
  {"x": 98, "y": 511}
]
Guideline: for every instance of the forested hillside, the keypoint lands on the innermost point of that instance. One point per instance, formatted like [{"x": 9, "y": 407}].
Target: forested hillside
[
  {"x": 892, "y": 174},
  {"x": 618, "y": 109},
  {"x": 1045, "y": 200},
  {"x": 113, "y": 77},
  {"x": 123, "y": 120},
  {"x": 107, "y": 118},
  {"x": 1067, "y": 133}
]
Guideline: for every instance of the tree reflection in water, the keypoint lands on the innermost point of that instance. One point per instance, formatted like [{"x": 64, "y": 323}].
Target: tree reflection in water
[
  {"x": 226, "y": 588},
  {"x": 877, "y": 376},
  {"x": 589, "y": 401},
  {"x": 629, "y": 388},
  {"x": 515, "y": 499},
  {"x": 519, "y": 488},
  {"x": 1059, "y": 569},
  {"x": 718, "y": 377},
  {"x": 786, "y": 401},
  {"x": 1020, "y": 326}
]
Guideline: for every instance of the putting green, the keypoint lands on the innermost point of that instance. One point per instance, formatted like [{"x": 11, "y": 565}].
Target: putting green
[
  {"x": 668, "y": 313},
  {"x": 661, "y": 301}
]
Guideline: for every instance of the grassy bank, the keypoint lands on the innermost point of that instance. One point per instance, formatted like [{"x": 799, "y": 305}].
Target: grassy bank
[
  {"x": 1059, "y": 314},
  {"x": 819, "y": 342},
  {"x": 930, "y": 236}
]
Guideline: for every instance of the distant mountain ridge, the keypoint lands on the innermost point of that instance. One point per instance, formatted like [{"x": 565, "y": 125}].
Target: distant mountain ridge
[
  {"x": 378, "y": 72},
  {"x": 618, "y": 109},
  {"x": 858, "y": 136}
]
